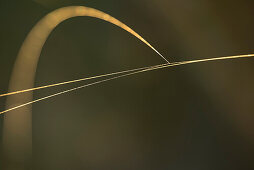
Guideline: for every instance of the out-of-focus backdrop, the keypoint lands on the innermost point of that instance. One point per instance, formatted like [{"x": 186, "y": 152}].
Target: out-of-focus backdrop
[{"x": 196, "y": 116}]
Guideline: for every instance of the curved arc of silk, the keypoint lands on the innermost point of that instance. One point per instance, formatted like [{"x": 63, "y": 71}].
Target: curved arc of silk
[{"x": 19, "y": 147}]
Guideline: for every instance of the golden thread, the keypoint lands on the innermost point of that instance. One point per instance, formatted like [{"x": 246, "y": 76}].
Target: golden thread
[
  {"x": 121, "y": 72},
  {"x": 140, "y": 70}
]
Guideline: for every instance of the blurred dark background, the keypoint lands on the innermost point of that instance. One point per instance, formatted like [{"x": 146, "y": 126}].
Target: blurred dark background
[{"x": 197, "y": 116}]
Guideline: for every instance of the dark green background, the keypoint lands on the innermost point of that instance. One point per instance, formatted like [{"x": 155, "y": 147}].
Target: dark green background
[{"x": 191, "y": 117}]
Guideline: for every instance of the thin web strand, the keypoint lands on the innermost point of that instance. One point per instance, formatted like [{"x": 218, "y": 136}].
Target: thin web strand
[
  {"x": 136, "y": 72},
  {"x": 121, "y": 72}
]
